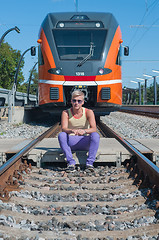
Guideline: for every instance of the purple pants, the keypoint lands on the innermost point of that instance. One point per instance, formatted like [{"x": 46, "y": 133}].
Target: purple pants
[{"x": 70, "y": 143}]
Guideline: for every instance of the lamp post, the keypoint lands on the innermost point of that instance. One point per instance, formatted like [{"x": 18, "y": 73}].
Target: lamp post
[
  {"x": 155, "y": 87},
  {"x": 30, "y": 78},
  {"x": 13, "y": 91},
  {"x": 17, "y": 70},
  {"x": 150, "y": 77},
  {"x": 33, "y": 53},
  {"x": 155, "y": 91},
  {"x": 154, "y": 84},
  {"x": 145, "y": 93},
  {"x": 139, "y": 84},
  {"x": 11, "y": 29}
]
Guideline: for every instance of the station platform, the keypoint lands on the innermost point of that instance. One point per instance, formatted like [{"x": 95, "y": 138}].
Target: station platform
[{"x": 110, "y": 150}]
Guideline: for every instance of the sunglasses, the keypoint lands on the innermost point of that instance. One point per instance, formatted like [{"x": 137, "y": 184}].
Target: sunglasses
[{"x": 79, "y": 101}]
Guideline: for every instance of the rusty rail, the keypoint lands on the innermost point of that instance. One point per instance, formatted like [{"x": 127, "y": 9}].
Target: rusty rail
[
  {"x": 144, "y": 170},
  {"x": 9, "y": 169}
]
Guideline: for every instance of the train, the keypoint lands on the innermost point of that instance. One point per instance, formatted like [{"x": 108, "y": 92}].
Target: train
[{"x": 80, "y": 51}]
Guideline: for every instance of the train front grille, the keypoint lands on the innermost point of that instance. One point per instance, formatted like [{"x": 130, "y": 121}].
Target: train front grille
[
  {"x": 105, "y": 93},
  {"x": 54, "y": 93},
  {"x": 91, "y": 96}
]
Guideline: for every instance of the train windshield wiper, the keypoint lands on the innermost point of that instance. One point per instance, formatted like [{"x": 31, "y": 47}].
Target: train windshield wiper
[{"x": 88, "y": 56}]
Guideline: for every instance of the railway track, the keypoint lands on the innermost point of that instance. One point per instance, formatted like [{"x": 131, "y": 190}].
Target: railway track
[
  {"x": 110, "y": 203},
  {"x": 147, "y": 111}
]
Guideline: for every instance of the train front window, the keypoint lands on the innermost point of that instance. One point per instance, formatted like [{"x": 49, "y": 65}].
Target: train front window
[{"x": 75, "y": 44}]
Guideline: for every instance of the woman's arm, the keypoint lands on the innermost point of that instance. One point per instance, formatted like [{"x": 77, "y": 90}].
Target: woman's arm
[
  {"x": 64, "y": 122},
  {"x": 90, "y": 117},
  {"x": 92, "y": 122}
]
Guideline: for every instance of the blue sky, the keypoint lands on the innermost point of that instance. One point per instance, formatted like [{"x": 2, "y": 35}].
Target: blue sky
[{"x": 143, "y": 41}]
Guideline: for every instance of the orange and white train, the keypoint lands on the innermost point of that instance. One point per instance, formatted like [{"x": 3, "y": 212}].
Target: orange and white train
[{"x": 80, "y": 51}]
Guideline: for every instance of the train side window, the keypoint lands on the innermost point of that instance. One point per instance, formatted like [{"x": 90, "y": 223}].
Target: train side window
[
  {"x": 118, "y": 59},
  {"x": 40, "y": 56}
]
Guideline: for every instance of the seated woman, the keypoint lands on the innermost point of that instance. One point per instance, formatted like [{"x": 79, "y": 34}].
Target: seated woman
[{"x": 78, "y": 131}]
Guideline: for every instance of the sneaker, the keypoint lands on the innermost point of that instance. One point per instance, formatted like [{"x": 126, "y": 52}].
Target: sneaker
[
  {"x": 90, "y": 168},
  {"x": 71, "y": 168}
]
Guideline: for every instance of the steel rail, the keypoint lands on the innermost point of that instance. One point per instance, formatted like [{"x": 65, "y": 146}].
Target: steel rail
[
  {"x": 147, "y": 111},
  {"x": 144, "y": 164},
  {"x": 26, "y": 149}
]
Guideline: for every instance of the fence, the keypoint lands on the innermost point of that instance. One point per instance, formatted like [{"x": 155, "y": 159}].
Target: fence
[{"x": 11, "y": 98}]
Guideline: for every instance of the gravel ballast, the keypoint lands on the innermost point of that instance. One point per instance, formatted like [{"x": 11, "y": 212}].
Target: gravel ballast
[
  {"x": 23, "y": 131},
  {"x": 127, "y": 125},
  {"x": 132, "y": 126}
]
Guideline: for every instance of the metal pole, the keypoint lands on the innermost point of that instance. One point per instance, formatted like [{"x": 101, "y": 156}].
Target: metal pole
[
  {"x": 11, "y": 29},
  {"x": 30, "y": 78},
  {"x": 76, "y": 5},
  {"x": 155, "y": 91},
  {"x": 16, "y": 74},
  {"x": 10, "y": 106},
  {"x": 17, "y": 70},
  {"x": 145, "y": 93},
  {"x": 139, "y": 93}
]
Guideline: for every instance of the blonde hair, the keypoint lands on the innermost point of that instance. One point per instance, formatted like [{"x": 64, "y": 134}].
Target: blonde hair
[{"x": 77, "y": 93}]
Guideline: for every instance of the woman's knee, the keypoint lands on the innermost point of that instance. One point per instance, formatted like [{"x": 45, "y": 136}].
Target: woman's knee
[
  {"x": 62, "y": 136},
  {"x": 95, "y": 137}
]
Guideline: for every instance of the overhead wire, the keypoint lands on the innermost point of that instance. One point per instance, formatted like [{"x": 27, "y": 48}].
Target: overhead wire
[
  {"x": 134, "y": 42},
  {"x": 149, "y": 9},
  {"x": 144, "y": 34}
]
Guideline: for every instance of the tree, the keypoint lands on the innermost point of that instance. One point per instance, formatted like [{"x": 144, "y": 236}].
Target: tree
[
  {"x": 33, "y": 84},
  {"x": 9, "y": 59},
  {"x": 150, "y": 94}
]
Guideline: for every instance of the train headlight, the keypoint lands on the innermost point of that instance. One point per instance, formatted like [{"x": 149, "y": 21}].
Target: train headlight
[
  {"x": 58, "y": 71},
  {"x": 101, "y": 71},
  {"x": 97, "y": 25},
  {"x": 61, "y": 25}
]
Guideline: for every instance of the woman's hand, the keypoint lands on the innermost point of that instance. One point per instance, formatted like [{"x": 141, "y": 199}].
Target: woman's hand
[{"x": 79, "y": 132}]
